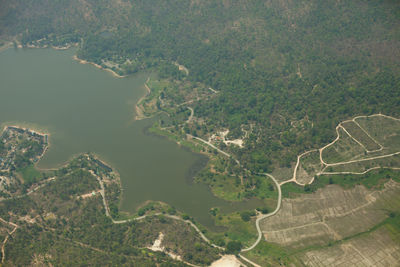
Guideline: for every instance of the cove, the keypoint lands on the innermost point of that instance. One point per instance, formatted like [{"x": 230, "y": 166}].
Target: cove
[{"x": 88, "y": 110}]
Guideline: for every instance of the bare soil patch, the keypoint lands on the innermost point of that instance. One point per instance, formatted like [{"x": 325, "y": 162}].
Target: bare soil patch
[{"x": 329, "y": 214}]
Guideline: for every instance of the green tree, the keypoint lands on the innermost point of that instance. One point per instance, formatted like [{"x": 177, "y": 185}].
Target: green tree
[{"x": 233, "y": 247}]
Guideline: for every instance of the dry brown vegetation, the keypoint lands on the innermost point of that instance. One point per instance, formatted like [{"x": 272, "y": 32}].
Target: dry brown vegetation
[
  {"x": 363, "y": 143},
  {"x": 377, "y": 249},
  {"x": 329, "y": 214}
]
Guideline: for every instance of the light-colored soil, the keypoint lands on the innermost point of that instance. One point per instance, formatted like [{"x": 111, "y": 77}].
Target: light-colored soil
[
  {"x": 282, "y": 174},
  {"x": 6, "y": 46},
  {"x": 309, "y": 166},
  {"x": 362, "y": 167},
  {"x": 157, "y": 243},
  {"x": 344, "y": 149},
  {"x": 98, "y": 66},
  {"x": 369, "y": 143},
  {"x": 329, "y": 214},
  {"x": 139, "y": 105},
  {"x": 363, "y": 138},
  {"x": 376, "y": 249},
  {"x": 182, "y": 68},
  {"x": 227, "y": 261},
  {"x": 383, "y": 129},
  {"x": 91, "y": 194},
  {"x": 10, "y": 233}
]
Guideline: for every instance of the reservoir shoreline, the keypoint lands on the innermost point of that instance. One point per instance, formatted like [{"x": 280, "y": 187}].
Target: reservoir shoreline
[
  {"x": 82, "y": 61},
  {"x": 87, "y": 110}
]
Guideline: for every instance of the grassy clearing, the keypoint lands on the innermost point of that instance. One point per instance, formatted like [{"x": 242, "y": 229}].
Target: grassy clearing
[
  {"x": 311, "y": 162},
  {"x": 309, "y": 166},
  {"x": 374, "y": 179},
  {"x": 150, "y": 103},
  {"x": 228, "y": 188},
  {"x": 360, "y": 213},
  {"x": 235, "y": 229},
  {"x": 30, "y": 174},
  {"x": 361, "y": 136},
  {"x": 371, "y": 180},
  {"x": 344, "y": 149},
  {"x": 265, "y": 188},
  {"x": 283, "y": 173},
  {"x": 384, "y": 130},
  {"x": 268, "y": 254},
  {"x": 291, "y": 190},
  {"x": 392, "y": 224},
  {"x": 193, "y": 146},
  {"x": 392, "y": 161},
  {"x": 381, "y": 239}
]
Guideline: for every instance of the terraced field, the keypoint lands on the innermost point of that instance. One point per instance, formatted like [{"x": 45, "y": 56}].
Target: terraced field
[
  {"x": 376, "y": 249},
  {"x": 335, "y": 226},
  {"x": 362, "y": 144},
  {"x": 329, "y": 215}
]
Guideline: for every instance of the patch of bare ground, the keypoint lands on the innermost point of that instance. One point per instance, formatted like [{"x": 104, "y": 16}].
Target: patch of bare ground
[
  {"x": 362, "y": 136},
  {"x": 309, "y": 166},
  {"x": 383, "y": 129},
  {"x": 345, "y": 149},
  {"x": 227, "y": 261},
  {"x": 282, "y": 174},
  {"x": 361, "y": 167},
  {"x": 329, "y": 214},
  {"x": 363, "y": 143},
  {"x": 375, "y": 249}
]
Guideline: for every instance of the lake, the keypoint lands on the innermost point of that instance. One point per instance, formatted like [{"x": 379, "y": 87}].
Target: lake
[{"x": 88, "y": 110}]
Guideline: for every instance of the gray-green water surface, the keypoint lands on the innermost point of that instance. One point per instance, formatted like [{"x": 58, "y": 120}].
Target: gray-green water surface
[{"x": 88, "y": 110}]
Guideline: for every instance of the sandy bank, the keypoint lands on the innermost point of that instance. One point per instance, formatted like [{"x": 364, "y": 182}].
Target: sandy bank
[
  {"x": 6, "y": 46},
  {"x": 138, "y": 107},
  {"x": 82, "y": 61}
]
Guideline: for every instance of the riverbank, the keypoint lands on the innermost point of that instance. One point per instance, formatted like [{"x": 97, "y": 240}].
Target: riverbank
[
  {"x": 138, "y": 107},
  {"x": 82, "y": 61},
  {"x": 6, "y": 46}
]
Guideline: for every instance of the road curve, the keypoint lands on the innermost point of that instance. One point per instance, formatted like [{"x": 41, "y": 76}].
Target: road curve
[{"x": 278, "y": 206}]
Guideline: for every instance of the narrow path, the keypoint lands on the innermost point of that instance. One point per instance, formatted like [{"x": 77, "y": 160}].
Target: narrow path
[
  {"x": 107, "y": 212},
  {"x": 354, "y": 139},
  {"x": 360, "y": 173},
  {"x": 325, "y": 164},
  {"x": 334, "y": 234},
  {"x": 373, "y": 139},
  {"x": 209, "y": 144},
  {"x": 260, "y": 218},
  {"x": 248, "y": 261},
  {"x": 3, "y": 253},
  {"x": 212, "y": 90},
  {"x": 191, "y": 115},
  {"x": 361, "y": 160},
  {"x": 196, "y": 228},
  {"x": 278, "y": 206}
]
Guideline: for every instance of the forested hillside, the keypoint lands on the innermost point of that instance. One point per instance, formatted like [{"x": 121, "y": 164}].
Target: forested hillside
[{"x": 289, "y": 69}]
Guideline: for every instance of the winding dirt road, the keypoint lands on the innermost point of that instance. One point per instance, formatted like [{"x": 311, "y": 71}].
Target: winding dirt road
[{"x": 278, "y": 206}]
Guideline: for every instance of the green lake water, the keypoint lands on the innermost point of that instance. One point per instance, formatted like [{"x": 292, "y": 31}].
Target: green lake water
[{"x": 88, "y": 110}]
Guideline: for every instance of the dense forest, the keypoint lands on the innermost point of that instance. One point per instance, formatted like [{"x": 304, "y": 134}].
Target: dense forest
[{"x": 290, "y": 69}]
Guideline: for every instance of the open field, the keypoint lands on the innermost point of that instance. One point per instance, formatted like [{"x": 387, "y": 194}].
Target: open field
[
  {"x": 376, "y": 249},
  {"x": 344, "y": 149},
  {"x": 329, "y": 214},
  {"x": 383, "y": 129},
  {"x": 309, "y": 166},
  {"x": 354, "y": 129},
  {"x": 365, "y": 166},
  {"x": 282, "y": 174},
  {"x": 363, "y": 143}
]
